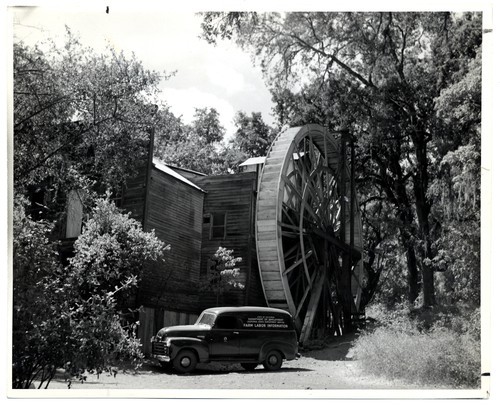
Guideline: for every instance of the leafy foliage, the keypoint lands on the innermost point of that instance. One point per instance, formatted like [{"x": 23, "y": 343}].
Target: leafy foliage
[
  {"x": 222, "y": 274},
  {"x": 200, "y": 147},
  {"x": 253, "y": 136},
  {"x": 78, "y": 112},
  {"x": 199, "y": 144},
  {"x": 206, "y": 125},
  {"x": 68, "y": 317}
]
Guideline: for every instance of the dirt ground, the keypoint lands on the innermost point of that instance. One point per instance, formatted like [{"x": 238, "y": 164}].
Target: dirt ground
[{"x": 329, "y": 368}]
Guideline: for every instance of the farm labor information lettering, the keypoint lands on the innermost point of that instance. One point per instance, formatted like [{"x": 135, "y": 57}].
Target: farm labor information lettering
[{"x": 265, "y": 321}]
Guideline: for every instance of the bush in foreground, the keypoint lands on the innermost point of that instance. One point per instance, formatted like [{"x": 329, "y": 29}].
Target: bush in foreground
[
  {"x": 401, "y": 347},
  {"x": 68, "y": 317}
]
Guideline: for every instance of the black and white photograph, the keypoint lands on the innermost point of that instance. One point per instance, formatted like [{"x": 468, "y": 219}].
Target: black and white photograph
[{"x": 249, "y": 200}]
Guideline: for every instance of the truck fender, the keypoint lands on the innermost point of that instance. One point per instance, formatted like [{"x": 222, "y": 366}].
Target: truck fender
[
  {"x": 200, "y": 347},
  {"x": 287, "y": 350}
]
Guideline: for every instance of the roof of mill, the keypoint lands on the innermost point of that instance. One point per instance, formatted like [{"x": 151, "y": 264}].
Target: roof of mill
[
  {"x": 158, "y": 164},
  {"x": 254, "y": 161}
]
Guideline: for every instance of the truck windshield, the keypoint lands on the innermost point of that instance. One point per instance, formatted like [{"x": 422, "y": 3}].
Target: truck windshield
[{"x": 206, "y": 319}]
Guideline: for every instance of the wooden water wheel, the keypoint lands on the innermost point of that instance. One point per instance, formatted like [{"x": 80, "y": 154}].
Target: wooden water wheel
[{"x": 308, "y": 228}]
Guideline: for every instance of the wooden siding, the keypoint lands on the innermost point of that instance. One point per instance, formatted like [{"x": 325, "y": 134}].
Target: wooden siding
[
  {"x": 151, "y": 320},
  {"x": 233, "y": 195},
  {"x": 175, "y": 212},
  {"x": 134, "y": 194}
]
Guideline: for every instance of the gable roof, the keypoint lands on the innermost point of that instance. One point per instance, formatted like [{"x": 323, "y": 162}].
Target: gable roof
[
  {"x": 158, "y": 164},
  {"x": 254, "y": 161}
]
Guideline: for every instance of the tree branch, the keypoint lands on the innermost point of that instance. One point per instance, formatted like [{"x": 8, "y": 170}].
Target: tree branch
[
  {"x": 59, "y": 148},
  {"x": 56, "y": 101},
  {"x": 333, "y": 59}
]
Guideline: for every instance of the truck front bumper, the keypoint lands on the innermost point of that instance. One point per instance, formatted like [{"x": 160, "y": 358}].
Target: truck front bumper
[{"x": 161, "y": 357}]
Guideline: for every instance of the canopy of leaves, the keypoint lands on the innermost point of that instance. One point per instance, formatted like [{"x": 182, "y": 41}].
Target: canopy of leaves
[
  {"x": 197, "y": 146},
  {"x": 253, "y": 136},
  {"x": 200, "y": 146},
  {"x": 68, "y": 317},
  {"x": 79, "y": 116}
]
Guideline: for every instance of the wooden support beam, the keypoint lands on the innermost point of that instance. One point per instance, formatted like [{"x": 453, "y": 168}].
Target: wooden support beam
[
  {"x": 313, "y": 306},
  {"x": 356, "y": 254}
]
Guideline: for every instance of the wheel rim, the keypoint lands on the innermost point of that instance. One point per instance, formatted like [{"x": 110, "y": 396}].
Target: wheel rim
[
  {"x": 185, "y": 362},
  {"x": 273, "y": 360},
  {"x": 299, "y": 204}
]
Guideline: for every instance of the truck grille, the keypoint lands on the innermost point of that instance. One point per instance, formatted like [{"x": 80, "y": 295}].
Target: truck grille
[{"x": 160, "y": 348}]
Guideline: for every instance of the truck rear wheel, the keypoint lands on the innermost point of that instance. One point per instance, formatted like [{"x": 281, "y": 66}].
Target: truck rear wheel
[
  {"x": 185, "y": 361},
  {"x": 273, "y": 360}
]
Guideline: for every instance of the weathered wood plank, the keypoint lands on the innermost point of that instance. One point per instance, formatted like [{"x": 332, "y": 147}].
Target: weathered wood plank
[
  {"x": 273, "y": 295},
  {"x": 270, "y": 276},
  {"x": 274, "y": 285},
  {"x": 269, "y": 266},
  {"x": 267, "y": 236}
]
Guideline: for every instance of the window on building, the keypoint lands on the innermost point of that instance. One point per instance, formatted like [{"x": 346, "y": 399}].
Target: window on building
[{"x": 218, "y": 226}]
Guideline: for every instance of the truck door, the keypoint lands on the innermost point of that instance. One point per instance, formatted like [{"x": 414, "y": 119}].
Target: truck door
[{"x": 225, "y": 337}]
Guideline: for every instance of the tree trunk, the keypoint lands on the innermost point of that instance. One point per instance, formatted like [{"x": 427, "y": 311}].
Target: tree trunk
[
  {"x": 428, "y": 284},
  {"x": 395, "y": 189},
  {"x": 423, "y": 208},
  {"x": 411, "y": 261},
  {"x": 345, "y": 293}
]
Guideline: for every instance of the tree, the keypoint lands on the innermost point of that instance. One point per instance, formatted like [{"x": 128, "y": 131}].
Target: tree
[
  {"x": 69, "y": 317},
  {"x": 80, "y": 118},
  {"x": 206, "y": 125},
  {"x": 199, "y": 145},
  {"x": 222, "y": 274},
  {"x": 168, "y": 130},
  {"x": 378, "y": 74},
  {"x": 253, "y": 136},
  {"x": 456, "y": 189}
]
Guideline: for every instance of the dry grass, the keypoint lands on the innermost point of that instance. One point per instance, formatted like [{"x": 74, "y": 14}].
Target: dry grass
[{"x": 446, "y": 354}]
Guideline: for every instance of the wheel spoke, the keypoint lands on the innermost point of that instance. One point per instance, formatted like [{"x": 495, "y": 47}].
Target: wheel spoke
[
  {"x": 294, "y": 249},
  {"x": 299, "y": 262}
]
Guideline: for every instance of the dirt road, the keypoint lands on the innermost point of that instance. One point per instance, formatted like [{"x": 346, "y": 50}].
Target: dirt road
[{"x": 327, "y": 369}]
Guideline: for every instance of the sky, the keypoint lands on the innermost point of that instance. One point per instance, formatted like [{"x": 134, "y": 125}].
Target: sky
[{"x": 222, "y": 76}]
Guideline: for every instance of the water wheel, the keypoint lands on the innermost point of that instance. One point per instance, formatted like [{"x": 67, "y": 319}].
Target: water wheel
[{"x": 308, "y": 228}]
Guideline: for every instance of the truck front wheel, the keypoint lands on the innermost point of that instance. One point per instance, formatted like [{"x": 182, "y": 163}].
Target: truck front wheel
[{"x": 185, "y": 361}]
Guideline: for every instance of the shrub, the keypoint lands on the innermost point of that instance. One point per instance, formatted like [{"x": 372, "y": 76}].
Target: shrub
[
  {"x": 401, "y": 347},
  {"x": 69, "y": 317},
  {"x": 222, "y": 275}
]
